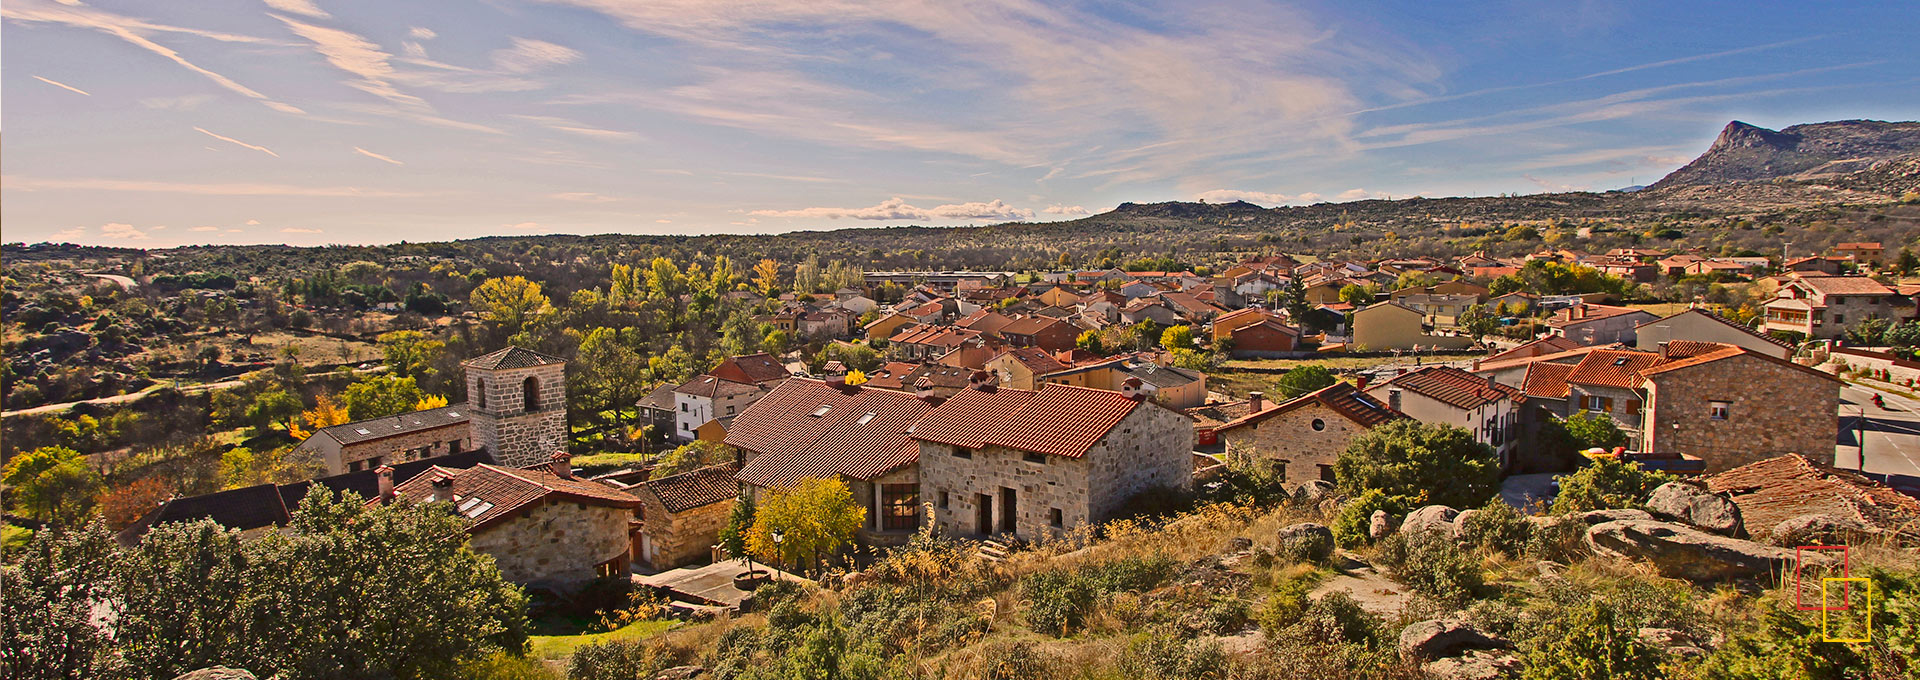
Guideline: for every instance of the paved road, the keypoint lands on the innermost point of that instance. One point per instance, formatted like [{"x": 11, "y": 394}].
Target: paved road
[
  {"x": 1892, "y": 434},
  {"x": 125, "y": 283}
]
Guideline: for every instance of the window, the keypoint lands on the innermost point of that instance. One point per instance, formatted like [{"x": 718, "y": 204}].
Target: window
[
  {"x": 963, "y": 453},
  {"x": 1326, "y": 473},
  {"x": 868, "y": 418},
  {"x": 1599, "y": 404},
  {"x": 1719, "y": 410},
  {"x": 453, "y": 446},
  {"x": 1839, "y": 318},
  {"x": 944, "y": 497},
  {"x": 683, "y": 407},
  {"x": 730, "y": 409},
  {"x": 824, "y": 408},
  {"x": 1319, "y": 425},
  {"x": 530, "y": 394},
  {"x": 899, "y": 507},
  {"x": 1036, "y": 458},
  {"x": 480, "y": 386},
  {"x": 1056, "y": 518}
]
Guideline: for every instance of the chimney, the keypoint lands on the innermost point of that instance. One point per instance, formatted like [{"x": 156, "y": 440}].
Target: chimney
[
  {"x": 1360, "y": 383},
  {"x": 980, "y": 380},
  {"x": 1664, "y": 345},
  {"x": 923, "y": 388},
  {"x": 385, "y": 474},
  {"x": 442, "y": 489},
  {"x": 1256, "y": 401},
  {"x": 1134, "y": 388},
  {"x": 1491, "y": 383},
  {"x": 560, "y": 464}
]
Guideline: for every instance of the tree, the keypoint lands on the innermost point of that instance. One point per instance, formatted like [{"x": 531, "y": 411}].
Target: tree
[
  {"x": 777, "y": 343},
  {"x": 52, "y": 483},
  {"x": 766, "y": 276},
  {"x": 812, "y": 518},
  {"x": 46, "y": 606},
  {"x": 1355, "y": 295},
  {"x": 274, "y": 407},
  {"x": 1305, "y": 380},
  {"x": 1090, "y": 341},
  {"x": 1478, "y": 321},
  {"x": 1906, "y": 264},
  {"x": 1417, "y": 464},
  {"x": 1178, "y": 337},
  {"x": 1296, "y": 300},
  {"x": 1522, "y": 232},
  {"x": 1907, "y": 334},
  {"x": 610, "y": 370},
  {"x": 378, "y": 396},
  {"x": 733, "y": 536},
  {"x": 326, "y": 412},
  {"x": 510, "y": 304},
  {"x": 411, "y": 354},
  {"x": 126, "y": 504},
  {"x": 1589, "y": 430},
  {"x": 178, "y": 596},
  {"x": 690, "y": 456},
  {"x": 1606, "y": 483}
]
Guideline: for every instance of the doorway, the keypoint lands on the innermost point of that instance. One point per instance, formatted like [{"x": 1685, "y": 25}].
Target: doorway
[
  {"x": 1009, "y": 511},
  {"x": 983, "y": 506}
]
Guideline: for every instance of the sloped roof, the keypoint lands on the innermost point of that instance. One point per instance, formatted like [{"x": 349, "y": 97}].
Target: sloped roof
[
  {"x": 940, "y": 375},
  {"x": 1035, "y": 359},
  {"x": 1593, "y": 312},
  {"x": 487, "y": 494},
  {"x": 1215, "y": 415},
  {"x": 1788, "y": 486},
  {"x": 1454, "y": 387},
  {"x": 756, "y": 368},
  {"x": 809, "y": 428},
  {"x": 1164, "y": 376},
  {"x": 715, "y": 387},
  {"x": 1612, "y": 368},
  {"x": 1730, "y": 323},
  {"x": 986, "y": 321},
  {"x": 1547, "y": 380},
  {"x": 1551, "y": 344},
  {"x": 661, "y": 398},
  {"x": 511, "y": 357},
  {"x": 1028, "y": 325},
  {"x": 1060, "y": 420},
  {"x": 1342, "y": 398},
  {"x": 694, "y": 488},
  {"x": 373, "y": 429},
  {"x": 1718, "y": 352},
  {"x": 1845, "y": 285}
]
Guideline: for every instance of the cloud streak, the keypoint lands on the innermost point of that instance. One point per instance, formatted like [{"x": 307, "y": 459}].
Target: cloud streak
[
  {"x": 62, "y": 85},
  {"x": 19, "y": 183},
  {"x": 527, "y": 55},
  {"x": 898, "y": 209},
  {"x": 375, "y": 156},
  {"x": 225, "y": 138}
]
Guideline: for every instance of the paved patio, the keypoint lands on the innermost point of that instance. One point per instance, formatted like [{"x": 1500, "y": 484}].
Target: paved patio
[{"x": 710, "y": 584}]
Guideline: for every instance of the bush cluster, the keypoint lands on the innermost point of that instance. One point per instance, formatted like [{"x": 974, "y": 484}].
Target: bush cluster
[
  {"x": 1058, "y": 600},
  {"x": 1432, "y": 564}
]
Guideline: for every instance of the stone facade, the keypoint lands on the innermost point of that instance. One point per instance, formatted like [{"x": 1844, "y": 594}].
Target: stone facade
[
  {"x": 1149, "y": 448},
  {"x": 1626, "y": 407},
  {"x": 1770, "y": 409},
  {"x": 557, "y": 542},
  {"x": 429, "y": 443},
  {"x": 1305, "y": 452},
  {"x": 675, "y": 539},
  {"x": 874, "y": 531},
  {"x": 515, "y": 432}
]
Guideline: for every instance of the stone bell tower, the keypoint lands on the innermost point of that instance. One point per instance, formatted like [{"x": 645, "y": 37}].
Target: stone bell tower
[{"x": 518, "y": 403}]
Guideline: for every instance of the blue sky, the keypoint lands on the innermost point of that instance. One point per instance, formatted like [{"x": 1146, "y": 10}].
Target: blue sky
[{"x": 321, "y": 121}]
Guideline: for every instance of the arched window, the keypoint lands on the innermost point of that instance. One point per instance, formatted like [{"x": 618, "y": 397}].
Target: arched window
[
  {"x": 480, "y": 389},
  {"x": 530, "y": 394}
]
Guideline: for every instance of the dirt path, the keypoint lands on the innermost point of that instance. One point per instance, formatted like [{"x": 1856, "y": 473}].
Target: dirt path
[{"x": 136, "y": 396}]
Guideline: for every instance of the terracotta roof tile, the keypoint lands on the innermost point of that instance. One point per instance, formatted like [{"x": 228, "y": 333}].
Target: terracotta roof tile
[
  {"x": 1547, "y": 380},
  {"x": 1342, "y": 398},
  {"x": 1454, "y": 387},
  {"x": 1788, "y": 486},
  {"x": 694, "y": 488},
  {"x": 1845, "y": 285},
  {"x": 1612, "y": 368},
  {"x": 1035, "y": 359},
  {"x": 808, "y": 428},
  {"x": 486, "y": 494},
  {"x": 710, "y": 386},
  {"x": 511, "y": 357}
]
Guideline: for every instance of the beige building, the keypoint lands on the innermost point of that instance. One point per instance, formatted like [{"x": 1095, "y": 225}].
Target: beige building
[
  {"x": 1700, "y": 325},
  {"x": 681, "y": 516},
  {"x": 1390, "y": 325},
  {"x": 1304, "y": 435},
  {"x": 1001, "y": 461},
  {"x": 1592, "y": 324},
  {"x": 1822, "y": 307}
]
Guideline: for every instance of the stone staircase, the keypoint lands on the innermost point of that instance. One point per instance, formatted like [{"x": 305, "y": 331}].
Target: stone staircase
[{"x": 993, "y": 551}]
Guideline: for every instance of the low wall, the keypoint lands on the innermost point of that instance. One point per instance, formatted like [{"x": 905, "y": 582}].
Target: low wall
[{"x": 1897, "y": 370}]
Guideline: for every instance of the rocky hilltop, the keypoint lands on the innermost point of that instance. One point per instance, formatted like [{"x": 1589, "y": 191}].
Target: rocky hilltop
[{"x": 1748, "y": 153}]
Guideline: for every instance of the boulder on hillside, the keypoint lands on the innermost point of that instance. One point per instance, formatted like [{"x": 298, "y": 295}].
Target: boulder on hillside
[
  {"x": 1306, "y": 541},
  {"x": 680, "y": 673},
  {"x": 1312, "y": 491},
  {"x": 1696, "y": 506},
  {"x": 1379, "y": 525},
  {"x": 1430, "y": 518},
  {"x": 1592, "y": 517},
  {"x": 1475, "y": 665},
  {"x": 1815, "y": 529},
  {"x": 1439, "y": 638},
  {"x": 1684, "y": 552},
  {"x": 216, "y": 673}
]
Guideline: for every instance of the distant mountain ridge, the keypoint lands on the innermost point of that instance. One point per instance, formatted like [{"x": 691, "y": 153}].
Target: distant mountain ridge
[{"x": 1749, "y": 153}]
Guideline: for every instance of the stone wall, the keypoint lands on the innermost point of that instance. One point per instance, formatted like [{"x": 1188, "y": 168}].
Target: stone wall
[
  {"x": 1151, "y": 448},
  {"x": 1630, "y": 422},
  {"x": 394, "y": 450},
  {"x": 1291, "y": 438},
  {"x": 516, "y": 435},
  {"x": 1039, "y": 487},
  {"x": 682, "y": 538},
  {"x": 1773, "y": 409},
  {"x": 556, "y": 542},
  {"x": 867, "y": 495}
]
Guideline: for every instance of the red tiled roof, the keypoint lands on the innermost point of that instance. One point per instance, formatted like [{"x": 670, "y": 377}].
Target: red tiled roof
[
  {"x": 757, "y": 368},
  {"x": 710, "y": 386},
  {"x": 1342, "y": 398},
  {"x": 1028, "y": 325},
  {"x": 1547, "y": 380},
  {"x": 1845, "y": 285},
  {"x": 928, "y": 309},
  {"x": 1593, "y": 312},
  {"x": 1702, "y": 355},
  {"x": 1059, "y": 420},
  {"x": 1789, "y": 486},
  {"x": 1035, "y": 359},
  {"x": 941, "y": 336},
  {"x": 1612, "y": 368},
  {"x": 694, "y": 488},
  {"x": 1454, "y": 387},
  {"x": 486, "y": 494},
  {"x": 842, "y": 439},
  {"x": 985, "y": 321},
  {"x": 1548, "y": 345}
]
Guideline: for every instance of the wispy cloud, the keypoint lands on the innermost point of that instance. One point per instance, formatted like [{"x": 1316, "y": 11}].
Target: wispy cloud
[
  {"x": 300, "y": 230},
  {"x": 528, "y": 55},
  {"x": 19, "y": 183},
  {"x": 136, "y": 32},
  {"x": 302, "y": 7},
  {"x": 124, "y": 232},
  {"x": 62, "y": 85},
  {"x": 225, "y": 138},
  {"x": 419, "y": 33},
  {"x": 578, "y": 128},
  {"x": 1065, "y": 210},
  {"x": 375, "y": 156},
  {"x": 205, "y": 228},
  {"x": 522, "y": 225},
  {"x": 582, "y": 197},
  {"x": 897, "y": 209}
]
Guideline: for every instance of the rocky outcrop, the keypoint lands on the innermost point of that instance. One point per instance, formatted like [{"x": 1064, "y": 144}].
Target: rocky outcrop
[
  {"x": 1379, "y": 525},
  {"x": 1684, "y": 552},
  {"x": 1313, "y": 491},
  {"x": 1698, "y": 507},
  {"x": 1749, "y": 153},
  {"x": 1592, "y": 517},
  {"x": 1814, "y": 529},
  {"x": 1475, "y": 665},
  {"x": 1307, "y": 541},
  {"x": 1432, "y": 518},
  {"x": 681, "y": 673},
  {"x": 1440, "y": 638},
  {"x": 216, "y": 673}
]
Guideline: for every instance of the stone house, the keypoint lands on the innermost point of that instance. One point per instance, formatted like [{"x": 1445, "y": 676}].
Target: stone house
[
  {"x": 706, "y": 398},
  {"x": 517, "y": 405},
  {"x": 1732, "y": 406},
  {"x": 1034, "y": 463},
  {"x": 809, "y": 428},
  {"x": 543, "y": 527},
  {"x": 681, "y": 516},
  {"x": 1591, "y": 324},
  {"x": 1450, "y": 396},
  {"x": 1700, "y": 325},
  {"x": 369, "y": 444},
  {"x": 1822, "y": 307},
  {"x": 1304, "y": 435}
]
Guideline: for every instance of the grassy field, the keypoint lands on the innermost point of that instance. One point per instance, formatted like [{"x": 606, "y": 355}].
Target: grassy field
[
  {"x": 562, "y": 646},
  {"x": 314, "y": 349},
  {"x": 1238, "y": 383},
  {"x": 1662, "y": 309}
]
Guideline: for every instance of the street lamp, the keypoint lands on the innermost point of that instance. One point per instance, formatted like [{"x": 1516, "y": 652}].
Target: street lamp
[{"x": 778, "y": 538}]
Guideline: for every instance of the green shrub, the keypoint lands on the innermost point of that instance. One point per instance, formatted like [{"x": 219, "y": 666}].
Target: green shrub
[
  {"x": 1350, "y": 526},
  {"x": 1559, "y": 541},
  {"x": 1129, "y": 574},
  {"x": 1336, "y": 617},
  {"x": 1418, "y": 463},
  {"x": 1165, "y": 655},
  {"x": 1284, "y": 607},
  {"x": 1009, "y": 660},
  {"x": 1058, "y": 601},
  {"x": 1781, "y": 645},
  {"x": 1496, "y": 526},
  {"x": 502, "y": 666},
  {"x": 1306, "y": 547},
  {"x": 622, "y": 660},
  {"x": 1433, "y": 565},
  {"x": 1606, "y": 483},
  {"x": 1590, "y": 642},
  {"x": 1226, "y": 615}
]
